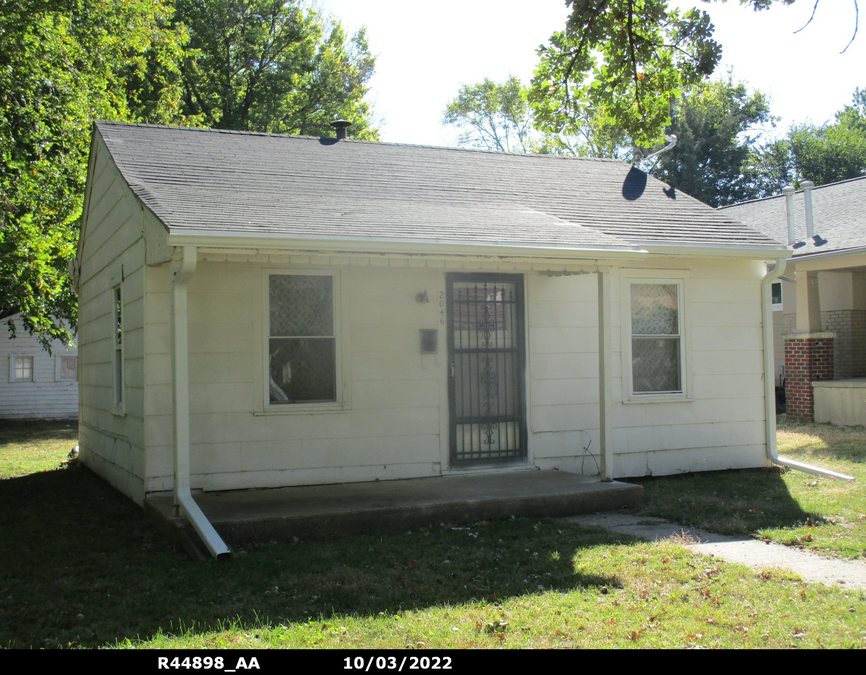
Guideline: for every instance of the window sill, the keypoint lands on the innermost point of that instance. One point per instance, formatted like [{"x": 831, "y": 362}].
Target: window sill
[{"x": 657, "y": 398}]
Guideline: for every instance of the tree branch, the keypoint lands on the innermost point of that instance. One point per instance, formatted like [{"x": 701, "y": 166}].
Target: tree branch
[
  {"x": 811, "y": 17},
  {"x": 856, "y": 25}
]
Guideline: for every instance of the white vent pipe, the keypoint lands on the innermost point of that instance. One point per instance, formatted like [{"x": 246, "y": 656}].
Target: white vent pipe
[
  {"x": 788, "y": 191},
  {"x": 807, "y": 198}
]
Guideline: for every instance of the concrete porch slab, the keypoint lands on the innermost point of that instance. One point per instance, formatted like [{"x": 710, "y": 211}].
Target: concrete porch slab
[{"x": 278, "y": 514}]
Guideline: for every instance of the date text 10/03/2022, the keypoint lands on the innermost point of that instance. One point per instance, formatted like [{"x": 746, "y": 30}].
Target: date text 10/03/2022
[{"x": 398, "y": 664}]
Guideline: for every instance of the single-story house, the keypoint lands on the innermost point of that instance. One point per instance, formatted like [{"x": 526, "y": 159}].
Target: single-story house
[
  {"x": 35, "y": 384},
  {"x": 260, "y": 311},
  {"x": 820, "y": 301}
]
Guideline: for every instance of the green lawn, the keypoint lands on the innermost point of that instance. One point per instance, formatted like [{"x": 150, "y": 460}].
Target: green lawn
[
  {"x": 821, "y": 514},
  {"x": 79, "y": 567}
]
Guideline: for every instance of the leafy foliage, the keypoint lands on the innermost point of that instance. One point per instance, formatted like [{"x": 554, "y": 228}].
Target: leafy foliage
[
  {"x": 64, "y": 63},
  {"x": 822, "y": 154},
  {"x": 494, "y": 116},
  {"x": 273, "y": 66},
  {"x": 715, "y": 127},
  {"x": 262, "y": 65},
  {"x": 625, "y": 59}
]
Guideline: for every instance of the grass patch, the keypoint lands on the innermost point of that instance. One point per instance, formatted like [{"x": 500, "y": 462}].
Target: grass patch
[
  {"x": 28, "y": 447},
  {"x": 81, "y": 569},
  {"x": 821, "y": 514}
]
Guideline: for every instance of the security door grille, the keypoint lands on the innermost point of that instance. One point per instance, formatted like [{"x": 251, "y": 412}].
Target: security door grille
[{"x": 486, "y": 359}]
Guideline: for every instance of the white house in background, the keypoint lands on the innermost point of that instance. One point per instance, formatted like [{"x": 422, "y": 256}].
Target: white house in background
[
  {"x": 33, "y": 383},
  {"x": 261, "y": 311},
  {"x": 821, "y": 297}
]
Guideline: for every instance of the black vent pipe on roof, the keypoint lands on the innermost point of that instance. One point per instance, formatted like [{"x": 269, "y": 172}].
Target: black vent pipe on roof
[{"x": 340, "y": 127}]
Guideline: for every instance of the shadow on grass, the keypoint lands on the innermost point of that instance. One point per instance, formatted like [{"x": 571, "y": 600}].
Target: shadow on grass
[
  {"x": 80, "y": 566},
  {"x": 729, "y": 502}
]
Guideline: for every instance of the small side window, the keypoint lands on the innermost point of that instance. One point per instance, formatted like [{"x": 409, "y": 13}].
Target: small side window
[
  {"x": 118, "y": 348},
  {"x": 21, "y": 368},
  {"x": 776, "y": 293},
  {"x": 66, "y": 369}
]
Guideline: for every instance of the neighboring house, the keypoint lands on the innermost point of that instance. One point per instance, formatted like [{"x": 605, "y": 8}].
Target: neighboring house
[
  {"x": 33, "y": 383},
  {"x": 261, "y": 311},
  {"x": 820, "y": 322}
]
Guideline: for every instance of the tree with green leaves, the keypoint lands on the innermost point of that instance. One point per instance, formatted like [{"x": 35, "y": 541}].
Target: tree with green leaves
[
  {"x": 496, "y": 116},
  {"x": 626, "y": 59},
  {"x": 823, "y": 154},
  {"x": 273, "y": 66},
  {"x": 63, "y": 64},
  {"x": 492, "y": 116},
  {"x": 717, "y": 125}
]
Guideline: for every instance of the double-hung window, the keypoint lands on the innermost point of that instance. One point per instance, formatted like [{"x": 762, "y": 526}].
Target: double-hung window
[
  {"x": 21, "y": 368},
  {"x": 656, "y": 338},
  {"x": 66, "y": 369},
  {"x": 117, "y": 339},
  {"x": 302, "y": 344}
]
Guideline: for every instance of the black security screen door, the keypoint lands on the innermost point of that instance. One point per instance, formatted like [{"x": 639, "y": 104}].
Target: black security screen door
[{"x": 486, "y": 362}]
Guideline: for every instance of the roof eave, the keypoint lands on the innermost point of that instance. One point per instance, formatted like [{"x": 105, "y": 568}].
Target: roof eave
[
  {"x": 275, "y": 241},
  {"x": 717, "y": 251}
]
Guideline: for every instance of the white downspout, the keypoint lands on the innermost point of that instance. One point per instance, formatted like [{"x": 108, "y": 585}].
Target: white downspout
[
  {"x": 605, "y": 376},
  {"x": 183, "y": 501},
  {"x": 769, "y": 381}
]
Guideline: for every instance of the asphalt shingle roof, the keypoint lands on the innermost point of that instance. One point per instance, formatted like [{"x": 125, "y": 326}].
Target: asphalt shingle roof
[
  {"x": 258, "y": 184},
  {"x": 839, "y": 211}
]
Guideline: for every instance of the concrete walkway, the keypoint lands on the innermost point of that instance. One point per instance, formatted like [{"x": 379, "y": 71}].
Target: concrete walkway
[{"x": 757, "y": 554}]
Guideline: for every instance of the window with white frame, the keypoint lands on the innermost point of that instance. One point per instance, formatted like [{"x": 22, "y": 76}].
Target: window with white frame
[
  {"x": 20, "y": 368},
  {"x": 118, "y": 347},
  {"x": 776, "y": 294},
  {"x": 66, "y": 369},
  {"x": 656, "y": 338},
  {"x": 302, "y": 344}
]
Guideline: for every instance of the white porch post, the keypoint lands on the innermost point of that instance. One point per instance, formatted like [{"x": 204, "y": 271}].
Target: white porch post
[
  {"x": 604, "y": 375},
  {"x": 183, "y": 501},
  {"x": 808, "y": 303}
]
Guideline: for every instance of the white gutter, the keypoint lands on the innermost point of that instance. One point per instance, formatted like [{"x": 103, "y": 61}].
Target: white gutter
[
  {"x": 713, "y": 251},
  {"x": 183, "y": 500},
  {"x": 277, "y": 241},
  {"x": 769, "y": 382}
]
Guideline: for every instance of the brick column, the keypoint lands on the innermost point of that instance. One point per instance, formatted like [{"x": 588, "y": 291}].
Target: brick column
[{"x": 808, "y": 357}]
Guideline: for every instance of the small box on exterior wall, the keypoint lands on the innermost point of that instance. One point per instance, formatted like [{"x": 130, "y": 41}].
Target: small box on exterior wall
[{"x": 429, "y": 341}]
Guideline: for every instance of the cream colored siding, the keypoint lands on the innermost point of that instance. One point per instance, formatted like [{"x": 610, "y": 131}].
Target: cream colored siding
[
  {"x": 44, "y": 396},
  {"x": 392, "y": 420},
  {"x": 111, "y": 254},
  {"x": 389, "y": 426},
  {"x": 721, "y": 424}
]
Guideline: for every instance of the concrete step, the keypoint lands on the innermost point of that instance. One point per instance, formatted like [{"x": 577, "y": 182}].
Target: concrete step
[{"x": 280, "y": 514}]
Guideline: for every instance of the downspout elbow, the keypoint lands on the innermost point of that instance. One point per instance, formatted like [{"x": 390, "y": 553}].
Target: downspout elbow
[
  {"x": 183, "y": 499},
  {"x": 769, "y": 384}
]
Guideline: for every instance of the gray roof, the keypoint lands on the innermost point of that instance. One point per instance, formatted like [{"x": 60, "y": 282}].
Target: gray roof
[
  {"x": 203, "y": 180},
  {"x": 839, "y": 211}
]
